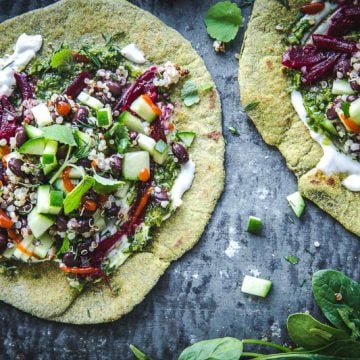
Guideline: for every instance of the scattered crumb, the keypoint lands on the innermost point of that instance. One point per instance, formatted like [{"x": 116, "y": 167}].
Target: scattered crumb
[
  {"x": 279, "y": 27},
  {"x": 219, "y": 46},
  {"x": 316, "y": 244},
  {"x": 255, "y": 272},
  {"x": 275, "y": 330},
  {"x": 232, "y": 248},
  {"x": 195, "y": 276}
]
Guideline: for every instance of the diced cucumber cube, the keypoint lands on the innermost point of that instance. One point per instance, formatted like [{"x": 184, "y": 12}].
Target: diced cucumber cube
[
  {"x": 42, "y": 115},
  {"x": 146, "y": 143},
  {"x": 56, "y": 198},
  {"x": 342, "y": 87},
  {"x": 354, "y": 111},
  {"x": 48, "y": 168},
  {"x": 145, "y": 108},
  {"x": 90, "y": 101},
  {"x": 104, "y": 117},
  {"x": 32, "y": 131},
  {"x": 255, "y": 286},
  {"x": 44, "y": 205},
  {"x": 8, "y": 253},
  {"x": 39, "y": 223},
  {"x": 187, "y": 137},
  {"x": 297, "y": 203},
  {"x": 49, "y": 154},
  {"x": 132, "y": 122},
  {"x": 45, "y": 244},
  {"x": 160, "y": 153},
  {"x": 33, "y": 147},
  {"x": 134, "y": 163},
  {"x": 254, "y": 225}
]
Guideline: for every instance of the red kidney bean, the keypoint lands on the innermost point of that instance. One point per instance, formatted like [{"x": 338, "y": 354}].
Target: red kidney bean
[
  {"x": 15, "y": 167},
  {"x": 180, "y": 153},
  {"x": 20, "y": 136}
]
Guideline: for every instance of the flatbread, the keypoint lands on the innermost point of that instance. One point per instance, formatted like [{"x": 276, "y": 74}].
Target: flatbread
[
  {"x": 262, "y": 79},
  {"x": 80, "y": 21}
]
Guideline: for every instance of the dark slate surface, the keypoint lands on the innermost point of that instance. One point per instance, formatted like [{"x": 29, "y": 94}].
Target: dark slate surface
[{"x": 199, "y": 296}]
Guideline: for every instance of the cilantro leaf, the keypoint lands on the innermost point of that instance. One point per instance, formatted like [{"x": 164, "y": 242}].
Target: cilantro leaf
[
  {"x": 61, "y": 58},
  {"x": 345, "y": 107},
  {"x": 223, "y": 21},
  {"x": 103, "y": 184},
  {"x": 120, "y": 134},
  {"x": 190, "y": 93},
  {"x": 64, "y": 247},
  {"x": 73, "y": 199},
  {"x": 60, "y": 133}
]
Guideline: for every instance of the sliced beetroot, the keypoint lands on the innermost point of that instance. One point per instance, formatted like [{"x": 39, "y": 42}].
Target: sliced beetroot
[
  {"x": 8, "y": 119},
  {"x": 320, "y": 70},
  {"x": 143, "y": 84},
  {"x": 77, "y": 85},
  {"x": 343, "y": 66},
  {"x": 24, "y": 86},
  {"x": 157, "y": 130},
  {"x": 296, "y": 56},
  {"x": 352, "y": 13},
  {"x": 327, "y": 42},
  {"x": 343, "y": 20}
]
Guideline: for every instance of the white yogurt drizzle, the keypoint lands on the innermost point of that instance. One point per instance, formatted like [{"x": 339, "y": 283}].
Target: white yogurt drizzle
[
  {"x": 24, "y": 51},
  {"x": 182, "y": 183},
  {"x": 133, "y": 53},
  {"x": 332, "y": 161}
]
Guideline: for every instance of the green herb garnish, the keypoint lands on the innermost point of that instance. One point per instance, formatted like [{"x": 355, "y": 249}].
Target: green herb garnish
[
  {"x": 190, "y": 93},
  {"x": 61, "y": 58},
  {"x": 60, "y": 133},
  {"x": 223, "y": 21},
  {"x": 73, "y": 199},
  {"x": 292, "y": 259}
]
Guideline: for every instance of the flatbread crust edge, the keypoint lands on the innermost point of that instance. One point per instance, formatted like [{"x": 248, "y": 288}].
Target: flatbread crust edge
[
  {"x": 79, "y": 21},
  {"x": 262, "y": 79}
]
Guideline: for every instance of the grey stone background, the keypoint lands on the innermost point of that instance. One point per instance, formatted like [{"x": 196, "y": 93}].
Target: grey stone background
[{"x": 199, "y": 297}]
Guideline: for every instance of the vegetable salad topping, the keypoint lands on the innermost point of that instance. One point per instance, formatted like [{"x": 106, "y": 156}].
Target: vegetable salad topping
[
  {"x": 90, "y": 156},
  {"x": 324, "y": 64}
]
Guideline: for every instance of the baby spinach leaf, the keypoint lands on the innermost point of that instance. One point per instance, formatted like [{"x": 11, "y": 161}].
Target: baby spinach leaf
[
  {"x": 336, "y": 294},
  {"x": 223, "y": 21},
  {"x": 190, "y": 93},
  {"x": 73, "y": 199},
  {"x": 103, "y": 184},
  {"x": 138, "y": 353},
  {"x": 60, "y": 133},
  {"x": 309, "y": 333},
  {"x": 227, "y": 348},
  {"x": 341, "y": 349}
]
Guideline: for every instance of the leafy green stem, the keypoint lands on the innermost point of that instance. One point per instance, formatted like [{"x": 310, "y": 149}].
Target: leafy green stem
[
  {"x": 266, "y": 343},
  {"x": 251, "y": 354},
  {"x": 62, "y": 167}
]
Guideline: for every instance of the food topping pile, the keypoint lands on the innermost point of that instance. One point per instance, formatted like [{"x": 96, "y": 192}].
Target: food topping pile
[{"x": 92, "y": 161}]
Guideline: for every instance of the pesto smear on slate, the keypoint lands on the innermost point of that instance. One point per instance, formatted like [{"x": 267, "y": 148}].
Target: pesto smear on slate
[
  {"x": 92, "y": 161},
  {"x": 324, "y": 65}
]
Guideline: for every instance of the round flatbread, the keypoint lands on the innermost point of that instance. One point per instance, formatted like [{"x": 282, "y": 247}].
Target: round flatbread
[
  {"x": 48, "y": 295},
  {"x": 262, "y": 79}
]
